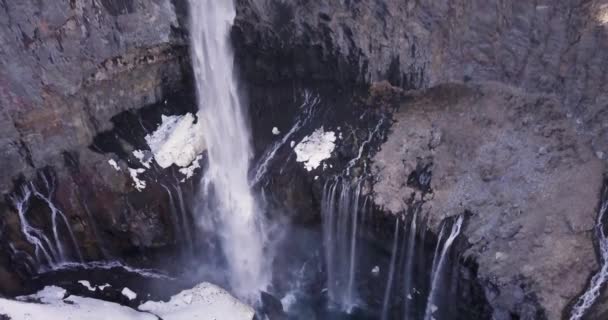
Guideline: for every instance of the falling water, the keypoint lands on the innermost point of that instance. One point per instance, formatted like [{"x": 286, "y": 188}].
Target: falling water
[
  {"x": 409, "y": 268},
  {"x": 391, "y": 273},
  {"x": 48, "y": 251},
  {"x": 340, "y": 212},
  {"x": 601, "y": 277},
  {"x": 229, "y": 150},
  {"x": 436, "y": 274}
]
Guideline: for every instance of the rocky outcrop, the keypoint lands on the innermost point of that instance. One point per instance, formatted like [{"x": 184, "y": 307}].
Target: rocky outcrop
[
  {"x": 522, "y": 146},
  {"x": 68, "y": 68},
  {"x": 514, "y": 161},
  {"x": 551, "y": 47}
]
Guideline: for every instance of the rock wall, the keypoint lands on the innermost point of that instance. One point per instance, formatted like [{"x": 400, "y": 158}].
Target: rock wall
[
  {"x": 67, "y": 69},
  {"x": 522, "y": 145},
  {"x": 551, "y": 47}
]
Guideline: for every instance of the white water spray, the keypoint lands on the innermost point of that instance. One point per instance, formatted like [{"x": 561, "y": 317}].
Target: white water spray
[{"x": 227, "y": 138}]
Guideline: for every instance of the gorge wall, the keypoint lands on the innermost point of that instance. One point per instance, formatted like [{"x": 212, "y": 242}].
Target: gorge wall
[{"x": 503, "y": 103}]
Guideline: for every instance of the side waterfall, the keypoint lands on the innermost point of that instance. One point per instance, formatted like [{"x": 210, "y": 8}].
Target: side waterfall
[
  {"x": 391, "y": 273},
  {"x": 227, "y": 136},
  {"x": 49, "y": 251},
  {"x": 598, "y": 280},
  {"x": 340, "y": 213},
  {"x": 439, "y": 265}
]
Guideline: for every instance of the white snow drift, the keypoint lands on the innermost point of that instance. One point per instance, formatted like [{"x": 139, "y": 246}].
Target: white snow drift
[
  {"x": 204, "y": 302},
  {"x": 315, "y": 148},
  {"x": 178, "y": 140}
]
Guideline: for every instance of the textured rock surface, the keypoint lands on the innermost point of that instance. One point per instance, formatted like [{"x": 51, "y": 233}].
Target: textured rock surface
[
  {"x": 554, "y": 47},
  {"x": 541, "y": 150},
  {"x": 66, "y": 69},
  {"x": 515, "y": 162}
]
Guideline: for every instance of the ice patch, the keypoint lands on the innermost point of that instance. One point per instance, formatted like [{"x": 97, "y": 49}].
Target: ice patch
[
  {"x": 114, "y": 165},
  {"x": 276, "y": 131},
  {"x": 138, "y": 183},
  {"x": 178, "y": 140},
  {"x": 104, "y": 286},
  {"x": 129, "y": 293},
  {"x": 204, "y": 302},
  {"x": 315, "y": 148},
  {"x": 292, "y": 143}
]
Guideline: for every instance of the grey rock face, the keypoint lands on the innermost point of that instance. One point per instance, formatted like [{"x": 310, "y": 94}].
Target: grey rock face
[
  {"x": 66, "y": 69},
  {"x": 553, "y": 47},
  {"x": 69, "y": 66},
  {"x": 516, "y": 163}
]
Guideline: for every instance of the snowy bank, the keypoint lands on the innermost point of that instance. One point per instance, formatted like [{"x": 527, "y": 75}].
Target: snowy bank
[{"x": 204, "y": 302}]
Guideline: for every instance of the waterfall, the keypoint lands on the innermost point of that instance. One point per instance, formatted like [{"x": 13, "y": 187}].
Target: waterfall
[
  {"x": 598, "y": 280},
  {"x": 179, "y": 216},
  {"x": 229, "y": 151},
  {"x": 438, "y": 266},
  {"x": 49, "y": 251},
  {"x": 409, "y": 268},
  {"x": 391, "y": 273},
  {"x": 340, "y": 213}
]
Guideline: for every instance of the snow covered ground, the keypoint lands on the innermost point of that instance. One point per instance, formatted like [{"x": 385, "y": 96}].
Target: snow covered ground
[
  {"x": 203, "y": 302},
  {"x": 206, "y": 301}
]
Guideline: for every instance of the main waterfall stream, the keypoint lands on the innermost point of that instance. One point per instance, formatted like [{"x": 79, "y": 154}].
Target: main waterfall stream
[{"x": 234, "y": 210}]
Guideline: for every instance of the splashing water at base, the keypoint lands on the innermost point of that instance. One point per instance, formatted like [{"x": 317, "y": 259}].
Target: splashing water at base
[{"x": 227, "y": 138}]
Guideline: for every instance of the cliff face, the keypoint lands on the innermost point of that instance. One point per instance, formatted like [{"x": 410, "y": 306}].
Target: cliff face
[
  {"x": 550, "y": 47},
  {"x": 520, "y": 142},
  {"x": 67, "y": 69}
]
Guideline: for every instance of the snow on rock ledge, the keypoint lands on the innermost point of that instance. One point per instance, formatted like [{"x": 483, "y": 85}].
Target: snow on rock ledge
[
  {"x": 315, "y": 148},
  {"x": 204, "y": 302},
  {"x": 54, "y": 306},
  {"x": 178, "y": 140}
]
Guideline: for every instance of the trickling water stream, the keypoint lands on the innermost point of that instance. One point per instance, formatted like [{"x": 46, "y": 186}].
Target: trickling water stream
[{"x": 227, "y": 136}]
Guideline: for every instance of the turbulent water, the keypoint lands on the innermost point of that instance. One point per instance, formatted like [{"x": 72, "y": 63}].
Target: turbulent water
[{"x": 227, "y": 138}]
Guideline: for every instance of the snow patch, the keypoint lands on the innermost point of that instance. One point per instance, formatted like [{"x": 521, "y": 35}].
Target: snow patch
[
  {"x": 189, "y": 171},
  {"x": 204, "y": 302},
  {"x": 315, "y": 148},
  {"x": 47, "y": 295},
  {"x": 104, "y": 286},
  {"x": 178, "y": 140},
  {"x": 138, "y": 183},
  {"x": 145, "y": 159},
  {"x": 87, "y": 285},
  {"x": 276, "y": 131},
  {"x": 129, "y": 293},
  {"x": 114, "y": 165}
]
